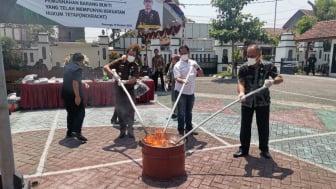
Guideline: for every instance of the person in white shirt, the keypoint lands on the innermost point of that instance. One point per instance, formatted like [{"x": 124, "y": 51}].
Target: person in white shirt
[{"x": 187, "y": 99}]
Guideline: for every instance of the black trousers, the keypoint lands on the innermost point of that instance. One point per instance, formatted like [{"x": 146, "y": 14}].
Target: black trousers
[
  {"x": 125, "y": 111},
  {"x": 262, "y": 117},
  {"x": 158, "y": 74},
  {"x": 75, "y": 115}
]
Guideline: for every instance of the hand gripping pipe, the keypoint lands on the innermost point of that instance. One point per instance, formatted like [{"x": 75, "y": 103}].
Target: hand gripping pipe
[
  {"x": 131, "y": 101},
  {"x": 213, "y": 115},
  {"x": 177, "y": 99}
]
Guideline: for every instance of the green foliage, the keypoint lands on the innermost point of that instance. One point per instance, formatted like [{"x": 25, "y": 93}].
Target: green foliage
[
  {"x": 225, "y": 74},
  {"x": 34, "y": 29},
  {"x": 305, "y": 23},
  {"x": 12, "y": 57},
  {"x": 113, "y": 55},
  {"x": 325, "y": 10},
  {"x": 273, "y": 39},
  {"x": 232, "y": 25},
  {"x": 236, "y": 56}
]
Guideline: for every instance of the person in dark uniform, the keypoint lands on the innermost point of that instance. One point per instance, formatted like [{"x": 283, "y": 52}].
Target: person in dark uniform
[
  {"x": 72, "y": 95},
  {"x": 311, "y": 64},
  {"x": 158, "y": 67},
  {"x": 170, "y": 82},
  {"x": 254, "y": 74},
  {"x": 128, "y": 72},
  {"x": 148, "y": 18}
]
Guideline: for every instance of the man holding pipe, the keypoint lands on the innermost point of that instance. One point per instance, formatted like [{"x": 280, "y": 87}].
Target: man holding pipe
[
  {"x": 187, "y": 99},
  {"x": 255, "y": 73},
  {"x": 127, "y": 71}
]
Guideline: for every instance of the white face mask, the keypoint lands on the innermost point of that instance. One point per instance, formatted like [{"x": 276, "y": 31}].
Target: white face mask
[
  {"x": 184, "y": 57},
  {"x": 251, "y": 61},
  {"x": 130, "y": 58}
]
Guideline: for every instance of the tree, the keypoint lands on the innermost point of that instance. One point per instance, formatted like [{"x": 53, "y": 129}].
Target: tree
[
  {"x": 12, "y": 58},
  {"x": 325, "y": 10},
  {"x": 305, "y": 23},
  {"x": 34, "y": 29},
  {"x": 232, "y": 25}
]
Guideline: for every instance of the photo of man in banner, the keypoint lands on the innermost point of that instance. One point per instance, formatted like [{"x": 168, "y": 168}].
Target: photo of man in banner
[{"x": 148, "y": 18}]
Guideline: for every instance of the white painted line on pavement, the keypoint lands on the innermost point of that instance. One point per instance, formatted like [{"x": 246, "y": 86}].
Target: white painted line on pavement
[
  {"x": 302, "y": 137},
  {"x": 304, "y": 160},
  {"x": 214, "y": 136},
  {"x": 43, "y": 158},
  {"x": 82, "y": 168},
  {"x": 298, "y": 94},
  {"x": 204, "y": 130}
]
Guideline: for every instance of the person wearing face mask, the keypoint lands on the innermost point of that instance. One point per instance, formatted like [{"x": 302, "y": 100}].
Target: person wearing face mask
[
  {"x": 72, "y": 94},
  {"x": 128, "y": 72},
  {"x": 187, "y": 98},
  {"x": 255, "y": 73}
]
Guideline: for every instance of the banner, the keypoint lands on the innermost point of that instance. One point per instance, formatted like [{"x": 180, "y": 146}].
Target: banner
[{"x": 114, "y": 14}]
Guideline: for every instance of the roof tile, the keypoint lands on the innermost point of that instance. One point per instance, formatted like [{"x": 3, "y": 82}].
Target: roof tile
[{"x": 320, "y": 31}]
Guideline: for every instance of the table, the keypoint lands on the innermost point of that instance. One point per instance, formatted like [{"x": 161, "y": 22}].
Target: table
[{"x": 48, "y": 95}]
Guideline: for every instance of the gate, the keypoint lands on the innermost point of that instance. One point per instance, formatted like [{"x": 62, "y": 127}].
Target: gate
[{"x": 208, "y": 65}]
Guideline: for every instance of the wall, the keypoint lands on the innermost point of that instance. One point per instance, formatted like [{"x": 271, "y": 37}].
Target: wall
[{"x": 332, "y": 62}]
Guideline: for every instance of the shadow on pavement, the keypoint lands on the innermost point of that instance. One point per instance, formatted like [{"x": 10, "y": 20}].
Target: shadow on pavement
[
  {"x": 70, "y": 142},
  {"x": 267, "y": 168},
  {"x": 193, "y": 144},
  {"x": 121, "y": 146},
  {"x": 175, "y": 182}
]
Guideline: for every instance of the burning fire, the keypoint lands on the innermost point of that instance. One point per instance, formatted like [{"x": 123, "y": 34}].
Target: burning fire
[{"x": 158, "y": 139}]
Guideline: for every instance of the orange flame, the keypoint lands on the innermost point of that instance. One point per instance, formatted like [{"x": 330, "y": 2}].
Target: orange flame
[{"x": 157, "y": 139}]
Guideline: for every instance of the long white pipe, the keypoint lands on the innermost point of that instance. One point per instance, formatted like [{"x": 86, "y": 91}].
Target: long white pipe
[
  {"x": 177, "y": 99},
  {"x": 213, "y": 115},
  {"x": 131, "y": 101}
]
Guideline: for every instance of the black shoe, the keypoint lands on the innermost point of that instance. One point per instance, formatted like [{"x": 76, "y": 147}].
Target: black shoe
[
  {"x": 174, "y": 116},
  {"x": 240, "y": 153},
  {"x": 79, "y": 136},
  {"x": 266, "y": 155}
]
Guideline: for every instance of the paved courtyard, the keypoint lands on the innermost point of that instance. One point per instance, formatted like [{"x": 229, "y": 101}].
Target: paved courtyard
[{"x": 302, "y": 143}]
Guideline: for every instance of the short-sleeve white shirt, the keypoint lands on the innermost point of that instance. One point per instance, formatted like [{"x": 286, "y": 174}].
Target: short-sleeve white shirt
[{"x": 181, "y": 70}]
